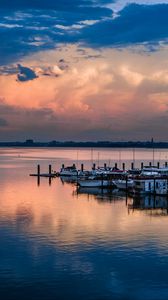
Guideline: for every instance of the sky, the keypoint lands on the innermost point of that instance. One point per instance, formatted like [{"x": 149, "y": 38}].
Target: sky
[{"x": 83, "y": 70}]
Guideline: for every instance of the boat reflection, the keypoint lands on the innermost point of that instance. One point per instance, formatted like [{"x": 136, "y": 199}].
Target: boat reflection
[
  {"x": 154, "y": 205},
  {"x": 68, "y": 179},
  {"x": 100, "y": 194}
]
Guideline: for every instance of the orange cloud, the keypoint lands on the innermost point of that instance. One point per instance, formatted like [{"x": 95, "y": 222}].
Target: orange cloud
[{"x": 110, "y": 90}]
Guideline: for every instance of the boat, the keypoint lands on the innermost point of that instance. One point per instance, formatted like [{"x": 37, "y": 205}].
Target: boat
[
  {"x": 152, "y": 185},
  {"x": 154, "y": 205},
  {"x": 95, "y": 182},
  {"x": 134, "y": 172},
  {"x": 163, "y": 171},
  {"x": 124, "y": 184},
  {"x": 150, "y": 171},
  {"x": 68, "y": 171}
]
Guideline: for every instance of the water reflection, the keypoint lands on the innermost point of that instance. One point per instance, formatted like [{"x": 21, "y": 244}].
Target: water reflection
[
  {"x": 100, "y": 194},
  {"x": 155, "y": 205},
  {"x": 67, "y": 179},
  {"x": 59, "y": 241}
]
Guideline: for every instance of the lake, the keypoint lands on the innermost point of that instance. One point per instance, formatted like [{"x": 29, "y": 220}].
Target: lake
[{"x": 60, "y": 242}]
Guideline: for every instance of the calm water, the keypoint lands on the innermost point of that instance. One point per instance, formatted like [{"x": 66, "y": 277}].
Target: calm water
[{"x": 60, "y": 243}]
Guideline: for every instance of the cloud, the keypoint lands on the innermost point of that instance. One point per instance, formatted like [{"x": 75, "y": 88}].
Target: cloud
[
  {"x": 25, "y": 29},
  {"x": 3, "y": 122},
  {"x": 132, "y": 77},
  {"x": 101, "y": 93},
  {"x": 54, "y": 70},
  {"x": 25, "y": 74},
  {"x": 136, "y": 24},
  {"x": 32, "y": 26},
  {"x": 118, "y": 5},
  {"x": 65, "y": 5},
  {"x": 105, "y": 98}
]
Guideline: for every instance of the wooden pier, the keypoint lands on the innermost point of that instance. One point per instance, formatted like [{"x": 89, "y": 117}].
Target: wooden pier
[{"x": 49, "y": 174}]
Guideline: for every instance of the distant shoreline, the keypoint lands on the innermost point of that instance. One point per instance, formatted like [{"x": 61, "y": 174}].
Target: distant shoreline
[{"x": 71, "y": 144}]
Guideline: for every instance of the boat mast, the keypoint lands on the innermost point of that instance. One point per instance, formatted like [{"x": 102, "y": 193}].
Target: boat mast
[
  {"x": 98, "y": 154},
  {"x": 91, "y": 157},
  {"x": 77, "y": 158},
  {"x": 133, "y": 155},
  {"x": 153, "y": 151},
  {"x": 120, "y": 158}
]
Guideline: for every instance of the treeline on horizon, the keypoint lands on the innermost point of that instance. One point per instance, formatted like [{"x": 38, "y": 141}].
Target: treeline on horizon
[{"x": 89, "y": 144}]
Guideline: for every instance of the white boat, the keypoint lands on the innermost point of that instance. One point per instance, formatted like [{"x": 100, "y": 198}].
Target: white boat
[
  {"x": 124, "y": 184},
  {"x": 95, "y": 183},
  {"x": 68, "y": 171},
  {"x": 157, "y": 186},
  {"x": 163, "y": 171},
  {"x": 155, "y": 171},
  {"x": 150, "y": 171}
]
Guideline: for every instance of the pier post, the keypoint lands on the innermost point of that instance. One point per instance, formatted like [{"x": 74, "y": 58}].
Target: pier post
[
  {"x": 50, "y": 169},
  {"x": 123, "y": 166},
  {"x": 74, "y": 166},
  {"x": 167, "y": 193},
  {"x": 142, "y": 165},
  {"x": 82, "y": 167},
  {"x": 126, "y": 183},
  {"x": 166, "y": 164},
  {"x": 154, "y": 186},
  {"x": 158, "y": 164},
  {"x": 132, "y": 166},
  {"x": 105, "y": 166},
  {"x": 63, "y": 166},
  {"x": 38, "y": 180},
  {"x": 38, "y": 173},
  {"x": 94, "y": 166},
  {"x": 38, "y": 170},
  {"x": 102, "y": 180},
  {"x": 115, "y": 165},
  {"x": 150, "y": 164}
]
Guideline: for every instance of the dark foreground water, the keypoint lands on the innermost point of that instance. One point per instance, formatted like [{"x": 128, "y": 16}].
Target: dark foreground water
[{"x": 60, "y": 243}]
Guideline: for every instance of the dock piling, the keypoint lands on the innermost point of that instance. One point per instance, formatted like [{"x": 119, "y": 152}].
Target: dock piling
[
  {"x": 38, "y": 170},
  {"x": 126, "y": 183},
  {"x": 38, "y": 180},
  {"x": 50, "y": 169},
  {"x": 38, "y": 175}
]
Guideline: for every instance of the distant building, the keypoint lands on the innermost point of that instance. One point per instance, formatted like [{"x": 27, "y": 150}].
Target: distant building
[{"x": 29, "y": 142}]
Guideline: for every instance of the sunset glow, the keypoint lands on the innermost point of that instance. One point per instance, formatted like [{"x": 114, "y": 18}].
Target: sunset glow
[{"x": 76, "y": 75}]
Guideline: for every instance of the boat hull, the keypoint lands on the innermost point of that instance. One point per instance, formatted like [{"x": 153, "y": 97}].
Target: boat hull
[
  {"x": 123, "y": 185},
  {"x": 68, "y": 173},
  {"x": 95, "y": 183}
]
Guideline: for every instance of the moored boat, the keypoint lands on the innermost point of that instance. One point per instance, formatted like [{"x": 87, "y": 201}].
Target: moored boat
[
  {"x": 155, "y": 185},
  {"x": 69, "y": 171},
  {"x": 124, "y": 184},
  {"x": 93, "y": 182}
]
